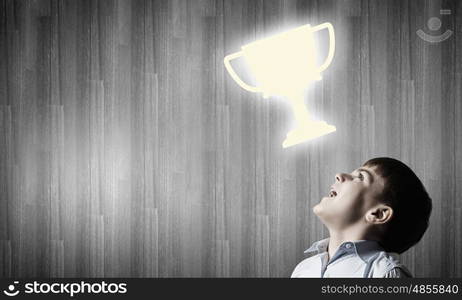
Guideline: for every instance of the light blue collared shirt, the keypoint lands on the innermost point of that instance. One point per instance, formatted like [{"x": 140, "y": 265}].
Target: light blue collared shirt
[{"x": 361, "y": 258}]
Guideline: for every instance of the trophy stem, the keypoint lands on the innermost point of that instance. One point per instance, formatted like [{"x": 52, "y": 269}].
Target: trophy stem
[
  {"x": 301, "y": 113},
  {"x": 306, "y": 128}
]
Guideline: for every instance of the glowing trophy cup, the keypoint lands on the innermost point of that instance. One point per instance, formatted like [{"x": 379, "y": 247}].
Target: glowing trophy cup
[{"x": 284, "y": 65}]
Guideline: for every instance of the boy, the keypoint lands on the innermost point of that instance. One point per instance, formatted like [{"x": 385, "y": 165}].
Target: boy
[{"x": 373, "y": 214}]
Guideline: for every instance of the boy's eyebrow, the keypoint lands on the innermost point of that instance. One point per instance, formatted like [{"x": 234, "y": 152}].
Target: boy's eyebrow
[{"x": 371, "y": 178}]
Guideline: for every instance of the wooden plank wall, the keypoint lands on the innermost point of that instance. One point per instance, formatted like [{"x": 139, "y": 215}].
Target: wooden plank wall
[{"x": 127, "y": 150}]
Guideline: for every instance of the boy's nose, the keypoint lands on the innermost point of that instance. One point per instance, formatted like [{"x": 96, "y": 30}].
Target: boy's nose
[{"x": 341, "y": 177}]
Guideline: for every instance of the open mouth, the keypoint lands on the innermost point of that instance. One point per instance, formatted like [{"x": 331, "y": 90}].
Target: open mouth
[{"x": 332, "y": 193}]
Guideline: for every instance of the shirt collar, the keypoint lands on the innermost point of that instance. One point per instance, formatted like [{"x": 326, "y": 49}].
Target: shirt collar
[
  {"x": 363, "y": 248},
  {"x": 319, "y": 246}
]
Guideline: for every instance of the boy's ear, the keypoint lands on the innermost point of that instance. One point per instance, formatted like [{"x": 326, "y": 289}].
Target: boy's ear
[{"x": 379, "y": 214}]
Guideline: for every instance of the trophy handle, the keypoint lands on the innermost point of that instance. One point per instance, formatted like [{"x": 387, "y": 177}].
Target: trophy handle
[
  {"x": 330, "y": 55},
  {"x": 233, "y": 74}
]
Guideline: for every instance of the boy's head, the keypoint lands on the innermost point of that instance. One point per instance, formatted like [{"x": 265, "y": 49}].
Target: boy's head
[{"x": 383, "y": 198}]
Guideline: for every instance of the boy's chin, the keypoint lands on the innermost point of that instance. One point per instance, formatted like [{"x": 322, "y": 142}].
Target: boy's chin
[
  {"x": 320, "y": 208},
  {"x": 319, "y": 211},
  {"x": 316, "y": 209}
]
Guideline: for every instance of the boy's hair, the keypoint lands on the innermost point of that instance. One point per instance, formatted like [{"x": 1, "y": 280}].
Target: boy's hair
[{"x": 411, "y": 204}]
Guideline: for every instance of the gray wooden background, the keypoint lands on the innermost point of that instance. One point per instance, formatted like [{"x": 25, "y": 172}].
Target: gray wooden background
[{"x": 127, "y": 150}]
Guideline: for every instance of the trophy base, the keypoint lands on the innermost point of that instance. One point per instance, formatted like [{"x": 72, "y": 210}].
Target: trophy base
[{"x": 307, "y": 131}]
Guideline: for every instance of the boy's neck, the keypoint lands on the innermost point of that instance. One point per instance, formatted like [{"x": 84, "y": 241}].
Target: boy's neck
[{"x": 339, "y": 237}]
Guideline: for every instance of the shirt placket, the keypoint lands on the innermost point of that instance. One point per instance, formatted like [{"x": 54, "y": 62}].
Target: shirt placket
[{"x": 344, "y": 249}]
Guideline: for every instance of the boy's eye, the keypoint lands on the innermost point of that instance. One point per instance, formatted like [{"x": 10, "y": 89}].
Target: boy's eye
[{"x": 360, "y": 176}]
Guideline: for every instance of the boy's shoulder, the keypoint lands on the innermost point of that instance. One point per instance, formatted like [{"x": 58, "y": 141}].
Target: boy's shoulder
[
  {"x": 386, "y": 263},
  {"x": 309, "y": 267}
]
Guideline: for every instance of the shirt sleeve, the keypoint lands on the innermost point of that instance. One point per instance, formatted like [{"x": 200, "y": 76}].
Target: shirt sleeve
[{"x": 396, "y": 273}]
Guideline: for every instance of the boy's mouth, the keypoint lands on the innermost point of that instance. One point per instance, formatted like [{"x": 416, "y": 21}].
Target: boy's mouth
[{"x": 332, "y": 193}]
